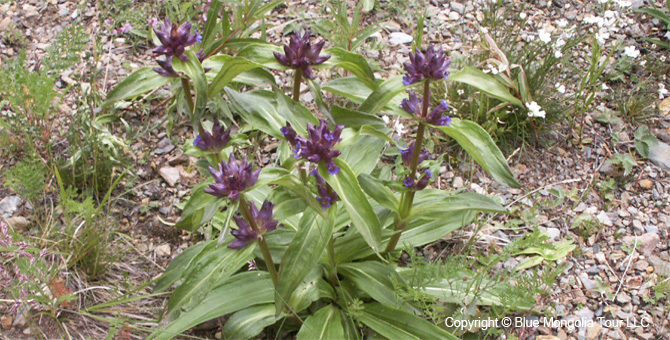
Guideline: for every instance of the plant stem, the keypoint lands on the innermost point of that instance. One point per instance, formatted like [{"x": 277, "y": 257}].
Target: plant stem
[
  {"x": 296, "y": 84},
  {"x": 331, "y": 251},
  {"x": 408, "y": 197},
  {"x": 244, "y": 209},
  {"x": 187, "y": 93}
]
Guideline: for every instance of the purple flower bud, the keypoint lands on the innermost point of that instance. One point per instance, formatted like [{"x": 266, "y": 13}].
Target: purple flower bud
[
  {"x": 433, "y": 64},
  {"x": 421, "y": 184},
  {"x": 319, "y": 146},
  {"x": 408, "y": 153},
  {"x": 232, "y": 178},
  {"x": 301, "y": 54},
  {"x": 435, "y": 116},
  {"x": 215, "y": 141}
]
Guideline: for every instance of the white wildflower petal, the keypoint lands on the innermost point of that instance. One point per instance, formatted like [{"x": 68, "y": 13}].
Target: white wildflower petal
[
  {"x": 631, "y": 51},
  {"x": 522, "y": 15},
  {"x": 662, "y": 91},
  {"x": 544, "y": 36},
  {"x": 562, "y": 23},
  {"x": 558, "y": 54}
]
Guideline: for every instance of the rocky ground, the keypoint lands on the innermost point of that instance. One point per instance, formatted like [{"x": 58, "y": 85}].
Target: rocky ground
[{"x": 605, "y": 280}]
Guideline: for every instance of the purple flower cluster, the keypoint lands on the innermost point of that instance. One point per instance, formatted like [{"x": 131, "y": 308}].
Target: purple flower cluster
[
  {"x": 232, "y": 178},
  {"x": 421, "y": 183},
  {"x": 408, "y": 153},
  {"x": 174, "y": 41},
  {"x": 301, "y": 54},
  {"x": 319, "y": 146},
  {"x": 263, "y": 219},
  {"x": 327, "y": 196},
  {"x": 412, "y": 105},
  {"x": 215, "y": 141},
  {"x": 433, "y": 64}
]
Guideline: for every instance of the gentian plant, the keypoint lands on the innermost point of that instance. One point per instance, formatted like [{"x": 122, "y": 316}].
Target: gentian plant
[{"x": 334, "y": 213}]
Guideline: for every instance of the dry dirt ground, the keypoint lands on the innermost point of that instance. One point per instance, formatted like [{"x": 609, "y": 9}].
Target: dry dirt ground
[{"x": 635, "y": 212}]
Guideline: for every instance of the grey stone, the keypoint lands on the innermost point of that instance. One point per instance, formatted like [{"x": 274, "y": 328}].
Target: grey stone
[
  {"x": 458, "y": 7},
  {"x": 163, "y": 250},
  {"x": 457, "y": 183},
  {"x": 164, "y": 210},
  {"x": 164, "y": 146},
  {"x": 586, "y": 282},
  {"x": 169, "y": 174},
  {"x": 9, "y": 205},
  {"x": 554, "y": 234},
  {"x": 604, "y": 219},
  {"x": 660, "y": 155},
  {"x": 399, "y": 38},
  {"x": 651, "y": 229}
]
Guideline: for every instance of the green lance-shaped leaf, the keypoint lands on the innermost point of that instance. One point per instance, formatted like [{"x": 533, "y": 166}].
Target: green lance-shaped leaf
[
  {"x": 354, "y": 63},
  {"x": 178, "y": 266},
  {"x": 199, "y": 209},
  {"x": 193, "y": 69},
  {"x": 302, "y": 255},
  {"x": 351, "y": 118},
  {"x": 139, "y": 82},
  {"x": 295, "y": 113},
  {"x": 485, "y": 83},
  {"x": 397, "y": 324},
  {"x": 261, "y": 54},
  {"x": 377, "y": 280},
  {"x": 358, "y": 207},
  {"x": 325, "y": 324},
  {"x": 209, "y": 271},
  {"x": 250, "y": 322},
  {"x": 383, "y": 94},
  {"x": 258, "y": 108},
  {"x": 240, "y": 291},
  {"x": 479, "y": 145},
  {"x": 231, "y": 68},
  {"x": 379, "y": 192},
  {"x": 433, "y": 207}
]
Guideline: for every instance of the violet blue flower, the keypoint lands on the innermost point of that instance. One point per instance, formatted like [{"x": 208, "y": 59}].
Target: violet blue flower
[
  {"x": 436, "y": 117},
  {"x": 412, "y": 105},
  {"x": 232, "y": 178},
  {"x": 263, "y": 220},
  {"x": 165, "y": 68},
  {"x": 215, "y": 141},
  {"x": 243, "y": 234},
  {"x": 301, "y": 54},
  {"x": 327, "y": 196},
  {"x": 408, "y": 153},
  {"x": 421, "y": 184},
  {"x": 175, "y": 39},
  {"x": 433, "y": 64},
  {"x": 319, "y": 146}
]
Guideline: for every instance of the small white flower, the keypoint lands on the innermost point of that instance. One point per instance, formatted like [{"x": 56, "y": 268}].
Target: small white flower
[
  {"x": 624, "y": 3},
  {"x": 643, "y": 62},
  {"x": 558, "y": 54},
  {"x": 559, "y": 43},
  {"x": 522, "y": 15},
  {"x": 667, "y": 35},
  {"x": 484, "y": 30},
  {"x": 603, "y": 1},
  {"x": 609, "y": 14},
  {"x": 562, "y": 23},
  {"x": 662, "y": 91},
  {"x": 385, "y": 119},
  {"x": 399, "y": 127},
  {"x": 460, "y": 92},
  {"x": 631, "y": 51},
  {"x": 560, "y": 87},
  {"x": 605, "y": 87},
  {"x": 544, "y": 36},
  {"x": 534, "y": 110}
]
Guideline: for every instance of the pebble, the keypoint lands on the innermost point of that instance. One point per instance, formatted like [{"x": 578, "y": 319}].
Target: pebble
[
  {"x": 9, "y": 205},
  {"x": 554, "y": 234},
  {"x": 458, "y": 182},
  {"x": 163, "y": 250},
  {"x": 399, "y": 38},
  {"x": 600, "y": 257},
  {"x": 604, "y": 219},
  {"x": 646, "y": 184},
  {"x": 170, "y": 175}
]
